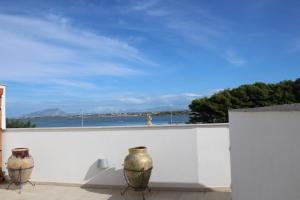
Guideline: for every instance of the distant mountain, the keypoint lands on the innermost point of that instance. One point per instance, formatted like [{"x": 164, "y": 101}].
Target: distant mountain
[{"x": 53, "y": 112}]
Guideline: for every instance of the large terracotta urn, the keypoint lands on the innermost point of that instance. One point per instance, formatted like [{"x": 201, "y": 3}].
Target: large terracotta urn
[
  {"x": 20, "y": 165},
  {"x": 137, "y": 167}
]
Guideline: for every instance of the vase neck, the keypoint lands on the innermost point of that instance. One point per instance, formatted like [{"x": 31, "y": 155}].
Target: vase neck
[
  {"x": 138, "y": 150},
  {"x": 20, "y": 152}
]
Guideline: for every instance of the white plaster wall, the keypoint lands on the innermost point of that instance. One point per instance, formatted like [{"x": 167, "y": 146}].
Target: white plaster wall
[
  {"x": 265, "y": 155},
  {"x": 184, "y": 155},
  {"x": 213, "y": 156},
  {"x": 3, "y": 104}
]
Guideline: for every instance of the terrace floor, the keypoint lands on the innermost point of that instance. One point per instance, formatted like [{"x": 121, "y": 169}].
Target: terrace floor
[{"x": 52, "y": 192}]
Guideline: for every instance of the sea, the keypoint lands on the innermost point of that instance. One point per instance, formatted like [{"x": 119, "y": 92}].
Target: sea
[{"x": 108, "y": 121}]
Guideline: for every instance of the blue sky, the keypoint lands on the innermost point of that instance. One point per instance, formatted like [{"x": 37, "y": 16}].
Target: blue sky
[{"x": 112, "y": 56}]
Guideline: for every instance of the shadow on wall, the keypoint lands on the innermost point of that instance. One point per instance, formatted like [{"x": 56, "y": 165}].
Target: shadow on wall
[
  {"x": 98, "y": 176},
  {"x": 107, "y": 178},
  {"x": 104, "y": 178}
]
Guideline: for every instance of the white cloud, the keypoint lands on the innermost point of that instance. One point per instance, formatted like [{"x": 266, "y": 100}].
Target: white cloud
[
  {"x": 232, "y": 57},
  {"x": 207, "y": 30},
  {"x": 179, "y": 97},
  {"x": 41, "y": 49},
  {"x": 165, "y": 99},
  {"x": 134, "y": 100},
  {"x": 74, "y": 83},
  {"x": 192, "y": 95},
  {"x": 212, "y": 92}
]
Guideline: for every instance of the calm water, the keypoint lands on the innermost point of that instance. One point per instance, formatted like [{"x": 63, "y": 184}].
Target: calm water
[{"x": 107, "y": 121}]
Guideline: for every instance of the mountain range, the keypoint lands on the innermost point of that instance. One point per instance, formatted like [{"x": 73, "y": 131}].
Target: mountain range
[{"x": 52, "y": 112}]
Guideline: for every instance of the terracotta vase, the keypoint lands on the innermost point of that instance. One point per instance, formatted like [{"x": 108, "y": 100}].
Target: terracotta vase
[
  {"x": 20, "y": 165},
  {"x": 138, "y": 166}
]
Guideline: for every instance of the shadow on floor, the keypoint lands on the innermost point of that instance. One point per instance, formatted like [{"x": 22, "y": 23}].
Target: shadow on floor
[
  {"x": 103, "y": 178},
  {"x": 115, "y": 194},
  {"x": 16, "y": 188},
  {"x": 106, "y": 178}
]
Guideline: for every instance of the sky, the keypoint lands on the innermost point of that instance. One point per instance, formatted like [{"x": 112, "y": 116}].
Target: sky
[{"x": 101, "y": 56}]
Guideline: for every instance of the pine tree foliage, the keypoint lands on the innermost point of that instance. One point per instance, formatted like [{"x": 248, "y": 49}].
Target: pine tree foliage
[
  {"x": 214, "y": 109},
  {"x": 17, "y": 123}
]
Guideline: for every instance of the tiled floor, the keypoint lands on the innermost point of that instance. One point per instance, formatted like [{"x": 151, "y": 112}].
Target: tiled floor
[{"x": 50, "y": 192}]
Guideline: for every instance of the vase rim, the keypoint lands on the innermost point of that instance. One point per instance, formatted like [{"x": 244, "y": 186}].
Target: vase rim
[
  {"x": 20, "y": 152},
  {"x": 20, "y": 149},
  {"x": 138, "y": 149}
]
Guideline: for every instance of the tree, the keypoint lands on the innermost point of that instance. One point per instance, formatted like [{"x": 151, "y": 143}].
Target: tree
[
  {"x": 16, "y": 123},
  {"x": 214, "y": 109}
]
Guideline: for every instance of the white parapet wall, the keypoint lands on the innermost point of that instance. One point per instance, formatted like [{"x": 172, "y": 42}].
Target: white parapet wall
[
  {"x": 184, "y": 156},
  {"x": 3, "y": 108},
  {"x": 265, "y": 153}
]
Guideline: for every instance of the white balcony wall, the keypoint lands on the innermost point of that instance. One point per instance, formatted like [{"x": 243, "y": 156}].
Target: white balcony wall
[
  {"x": 184, "y": 156},
  {"x": 3, "y": 108},
  {"x": 265, "y": 155}
]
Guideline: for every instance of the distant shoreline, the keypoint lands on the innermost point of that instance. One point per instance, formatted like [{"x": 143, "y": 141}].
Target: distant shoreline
[
  {"x": 107, "y": 120},
  {"x": 107, "y": 115}
]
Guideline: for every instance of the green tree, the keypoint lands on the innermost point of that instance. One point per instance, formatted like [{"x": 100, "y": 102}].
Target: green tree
[
  {"x": 214, "y": 109},
  {"x": 17, "y": 123}
]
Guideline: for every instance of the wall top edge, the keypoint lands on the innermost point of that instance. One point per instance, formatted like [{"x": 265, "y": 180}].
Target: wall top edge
[
  {"x": 99, "y": 128},
  {"x": 276, "y": 108}
]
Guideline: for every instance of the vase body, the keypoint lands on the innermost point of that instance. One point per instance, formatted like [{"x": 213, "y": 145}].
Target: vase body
[
  {"x": 137, "y": 167},
  {"x": 20, "y": 165}
]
